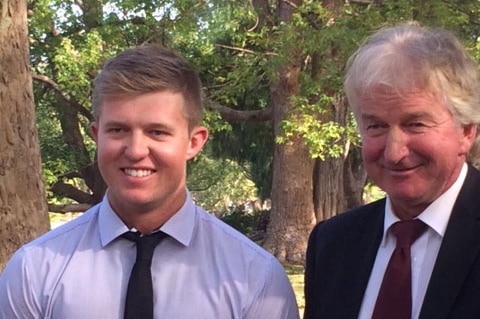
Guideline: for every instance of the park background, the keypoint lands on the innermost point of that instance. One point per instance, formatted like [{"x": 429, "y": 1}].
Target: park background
[{"x": 283, "y": 152}]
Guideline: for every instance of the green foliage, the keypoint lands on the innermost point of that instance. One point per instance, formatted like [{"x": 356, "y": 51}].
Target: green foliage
[
  {"x": 319, "y": 33},
  {"x": 322, "y": 138},
  {"x": 313, "y": 113},
  {"x": 234, "y": 69},
  {"x": 246, "y": 222},
  {"x": 216, "y": 184},
  {"x": 249, "y": 145},
  {"x": 237, "y": 53},
  {"x": 75, "y": 62},
  {"x": 372, "y": 193}
]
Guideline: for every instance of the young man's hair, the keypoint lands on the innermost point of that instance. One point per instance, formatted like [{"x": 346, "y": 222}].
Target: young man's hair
[{"x": 148, "y": 69}]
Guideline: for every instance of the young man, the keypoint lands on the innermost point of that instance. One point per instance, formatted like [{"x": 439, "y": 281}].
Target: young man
[
  {"x": 415, "y": 96},
  {"x": 147, "y": 107}
]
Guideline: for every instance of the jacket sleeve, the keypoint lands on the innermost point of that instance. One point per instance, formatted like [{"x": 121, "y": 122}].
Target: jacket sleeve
[{"x": 310, "y": 270}]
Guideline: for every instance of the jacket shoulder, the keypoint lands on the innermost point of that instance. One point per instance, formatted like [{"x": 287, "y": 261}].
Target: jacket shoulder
[{"x": 351, "y": 219}]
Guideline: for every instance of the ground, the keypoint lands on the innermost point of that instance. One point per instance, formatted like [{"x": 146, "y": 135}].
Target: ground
[{"x": 295, "y": 274}]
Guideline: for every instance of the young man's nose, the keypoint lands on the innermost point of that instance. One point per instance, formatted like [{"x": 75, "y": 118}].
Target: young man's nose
[{"x": 136, "y": 146}]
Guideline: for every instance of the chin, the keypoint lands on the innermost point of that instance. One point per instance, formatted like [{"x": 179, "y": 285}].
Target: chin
[
  {"x": 134, "y": 199},
  {"x": 410, "y": 199}
]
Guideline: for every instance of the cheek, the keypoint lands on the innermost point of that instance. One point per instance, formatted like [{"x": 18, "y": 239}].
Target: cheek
[
  {"x": 371, "y": 149},
  {"x": 168, "y": 154},
  {"x": 107, "y": 148}
]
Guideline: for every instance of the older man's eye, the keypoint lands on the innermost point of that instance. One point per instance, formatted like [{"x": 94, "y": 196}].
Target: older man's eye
[
  {"x": 417, "y": 127},
  {"x": 375, "y": 129}
]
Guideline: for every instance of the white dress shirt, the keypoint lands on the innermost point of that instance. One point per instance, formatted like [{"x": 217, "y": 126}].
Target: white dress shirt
[
  {"x": 204, "y": 269},
  {"x": 424, "y": 250}
]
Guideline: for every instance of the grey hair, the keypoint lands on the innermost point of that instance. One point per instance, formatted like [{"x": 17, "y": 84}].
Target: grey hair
[{"x": 408, "y": 57}]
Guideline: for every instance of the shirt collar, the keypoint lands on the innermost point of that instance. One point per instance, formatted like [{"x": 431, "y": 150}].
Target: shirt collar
[
  {"x": 180, "y": 226},
  {"x": 436, "y": 215},
  {"x": 110, "y": 225}
]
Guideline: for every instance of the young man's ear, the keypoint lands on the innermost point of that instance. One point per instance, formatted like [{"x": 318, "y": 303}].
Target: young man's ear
[
  {"x": 198, "y": 138},
  {"x": 94, "y": 130}
]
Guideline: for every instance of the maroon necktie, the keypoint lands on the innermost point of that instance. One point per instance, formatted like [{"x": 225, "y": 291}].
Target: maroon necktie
[{"x": 394, "y": 299}]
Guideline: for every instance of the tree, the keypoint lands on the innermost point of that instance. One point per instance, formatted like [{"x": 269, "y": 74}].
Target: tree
[
  {"x": 292, "y": 215},
  {"x": 292, "y": 46},
  {"x": 23, "y": 209},
  {"x": 316, "y": 164}
]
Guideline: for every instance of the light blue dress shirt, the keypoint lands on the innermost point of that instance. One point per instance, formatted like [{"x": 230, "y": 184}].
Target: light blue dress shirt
[{"x": 205, "y": 269}]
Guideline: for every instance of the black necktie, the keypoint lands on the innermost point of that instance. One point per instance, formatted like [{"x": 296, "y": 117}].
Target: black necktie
[
  {"x": 394, "y": 299},
  {"x": 139, "y": 301}
]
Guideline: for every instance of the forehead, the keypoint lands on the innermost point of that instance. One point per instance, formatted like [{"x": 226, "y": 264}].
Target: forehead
[
  {"x": 144, "y": 109},
  {"x": 158, "y": 101},
  {"x": 389, "y": 100}
]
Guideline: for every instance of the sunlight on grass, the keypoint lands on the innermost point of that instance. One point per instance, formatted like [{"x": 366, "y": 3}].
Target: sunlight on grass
[{"x": 295, "y": 274}]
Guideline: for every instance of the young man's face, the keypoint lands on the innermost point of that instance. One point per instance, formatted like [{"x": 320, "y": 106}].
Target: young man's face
[
  {"x": 412, "y": 147},
  {"x": 143, "y": 144}
]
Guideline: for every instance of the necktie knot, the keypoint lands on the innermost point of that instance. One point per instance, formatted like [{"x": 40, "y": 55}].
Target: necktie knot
[
  {"x": 145, "y": 244},
  {"x": 407, "y": 231}
]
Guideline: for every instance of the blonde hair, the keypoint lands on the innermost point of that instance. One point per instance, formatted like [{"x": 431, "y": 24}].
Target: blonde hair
[{"x": 148, "y": 69}]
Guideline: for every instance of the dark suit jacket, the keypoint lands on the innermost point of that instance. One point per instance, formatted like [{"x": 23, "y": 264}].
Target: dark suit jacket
[{"x": 342, "y": 250}]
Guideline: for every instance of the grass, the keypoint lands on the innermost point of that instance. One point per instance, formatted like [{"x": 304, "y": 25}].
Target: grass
[{"x": 295, "y": 274}]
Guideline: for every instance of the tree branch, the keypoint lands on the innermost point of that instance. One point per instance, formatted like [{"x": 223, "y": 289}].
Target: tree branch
[
  {"x": 468, "y": 13},
  {"x": 233, "y": 115},
  {"x": 68, "y": 208},
  {"x": 67, "y": 190},
  {"x": 53, "y": 85},
  {"x": 262, "y": 8},
  {"x": 243, "y": 50}
]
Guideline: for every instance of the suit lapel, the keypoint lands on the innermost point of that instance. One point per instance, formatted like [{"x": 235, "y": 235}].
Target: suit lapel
[
  {"x": 359, "y": 250},
  {"x": 458, "y": 251}
]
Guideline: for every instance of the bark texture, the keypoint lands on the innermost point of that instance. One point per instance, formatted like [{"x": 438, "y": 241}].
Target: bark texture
[
  {"x": 23, "y": 208},
  {"x": 292, "y": 214}
]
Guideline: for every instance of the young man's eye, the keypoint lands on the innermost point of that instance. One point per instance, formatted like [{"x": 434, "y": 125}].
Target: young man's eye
[
  {"x": 157, "y": 132},
  {"x": 115, "y": 130},
  {"x": 373, "y": 127}
]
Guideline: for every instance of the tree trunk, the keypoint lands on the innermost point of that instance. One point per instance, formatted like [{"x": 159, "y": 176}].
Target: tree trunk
[
  {"x": 292, "y": 214},
  {"x": 354, "y": 178},
  {"x": 338, "y": 182},
  {"x": 328, "y": 197},
  {"x": 338, "y": 185},
  {"x": 23, "y": 208}
]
